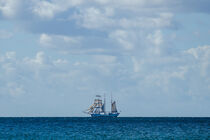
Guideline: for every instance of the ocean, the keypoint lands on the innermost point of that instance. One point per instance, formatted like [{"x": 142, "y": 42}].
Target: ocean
[{"x": 122, "y": 128}]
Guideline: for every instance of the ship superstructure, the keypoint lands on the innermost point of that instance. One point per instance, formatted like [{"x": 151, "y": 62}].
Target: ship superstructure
[{"x": 98, "y": 108}]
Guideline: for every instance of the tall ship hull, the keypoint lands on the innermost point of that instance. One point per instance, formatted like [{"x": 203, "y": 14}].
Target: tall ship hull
[
  {"x": 105, "y": 115},
  {"x": 98, "y": 109}
]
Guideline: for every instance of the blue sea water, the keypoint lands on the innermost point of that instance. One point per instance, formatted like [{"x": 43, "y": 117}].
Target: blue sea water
[{"x": 116, "y": 128}]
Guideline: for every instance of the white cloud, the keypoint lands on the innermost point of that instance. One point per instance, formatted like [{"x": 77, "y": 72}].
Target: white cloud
[
  {"x": 104, "y": 59},
  {"x": 5, "y": 34},
  {"x": 202, "y": 58},
  {"x": 156, "y": 21},
  {"x": 200, "y": 52},
  {"x": 10, "y": 55},
  {"x": 9, "y": 68},
  {"x": 131, "y": 5},
  {"x": 156, "y": 38},
  {"x": 15, "y": 90},
  {"x": 60, "y": 62},
  {"x": 122, "y": 23},
  {"x": 107, "y": 18},
  {"x": 60, "y": 42},
  {"x": 40, "y": 59},
  {"x": 167, "y": 77},
  {"x": 137, "y": 65},
  {"x": 124, "y": 38},
  {"x": 9, "y": 8},
  {"x": 48, "y": 9},
  {"x": 95, "y": 18},
  {"x": 180, "y": 73},
  {"x": 45, "y": 40}
]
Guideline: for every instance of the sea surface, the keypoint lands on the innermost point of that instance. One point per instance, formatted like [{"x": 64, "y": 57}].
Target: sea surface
[{"x": 121, "y": 128}]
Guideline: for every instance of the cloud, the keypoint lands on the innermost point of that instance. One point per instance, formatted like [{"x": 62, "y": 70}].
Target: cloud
[
  {"x": 14, "y": 89},
  {"x": 9, "y": 7},
  {"x": 100, "y": 15},
  {"x": 45, "y": 40},
  {"x": 60, "y": 62},
  {"x": 48, "y": 9},
  {"x": 123, "y": 38},
  {"x": 180, "y": 72},
  {"x": 52, "y": 8},
  {"x": 95, "y": 18},
  {"x": 109, "y": 17},
  {"x": 156, "y": 21},
  {"x": 137, "y": 64},
  {"x": 60, "y": 42},
  {"x": 23, "y": 75},
  {"x": 10, "y": 55},
  {"x": 5, "y": 34},
  {"x": 85, "y": 44},
  {"x": 18, "y": 73},
  {"x": 40, "y": 59},
  {"x": 201, "y": 52},
  {"x": 104, "y": 28},
  {"x": 201, "y": 56},
  {"x": 147, "y": 78},
  {"x": 156, "y": 38},
  {"x": 104, "y": 59},
  {"x": 94, "y": 27}
]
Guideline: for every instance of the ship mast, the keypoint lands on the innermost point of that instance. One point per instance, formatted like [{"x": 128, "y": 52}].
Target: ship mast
[
  {"x": 111, "y": 101},
  {"x": 111, "y": 97},
  {"x": 104, "y": 105}
]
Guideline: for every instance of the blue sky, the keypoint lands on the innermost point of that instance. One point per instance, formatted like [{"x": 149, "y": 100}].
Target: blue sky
[{"x": 56, "y": 55}]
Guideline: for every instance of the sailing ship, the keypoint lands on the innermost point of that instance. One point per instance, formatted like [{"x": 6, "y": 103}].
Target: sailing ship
[{"x": 98, "y": 109}]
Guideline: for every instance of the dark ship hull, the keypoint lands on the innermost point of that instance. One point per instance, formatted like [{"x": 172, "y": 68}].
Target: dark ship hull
[{"x": 111, "y": 115}]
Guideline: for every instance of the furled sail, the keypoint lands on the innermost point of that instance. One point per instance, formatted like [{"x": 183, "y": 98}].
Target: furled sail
[{"x": 113, "y": 108}]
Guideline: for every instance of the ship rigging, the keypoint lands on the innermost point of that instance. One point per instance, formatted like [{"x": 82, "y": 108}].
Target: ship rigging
[{"x": 98, "y": 108}]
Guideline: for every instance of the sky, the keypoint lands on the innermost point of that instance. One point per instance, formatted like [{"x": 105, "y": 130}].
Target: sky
[{"x": 152, "y": 55}]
